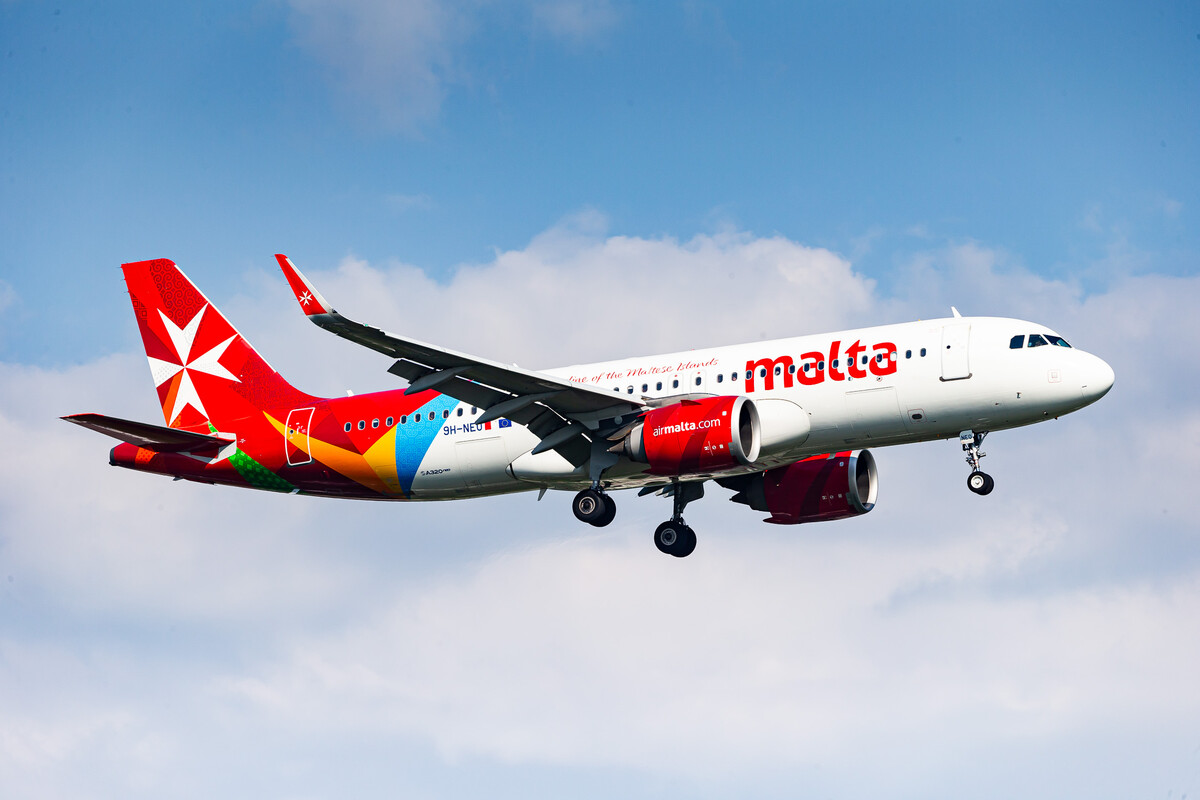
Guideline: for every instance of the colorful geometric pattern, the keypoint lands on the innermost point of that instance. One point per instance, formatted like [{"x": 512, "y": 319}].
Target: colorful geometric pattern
[{"x": 210, "y": 379}]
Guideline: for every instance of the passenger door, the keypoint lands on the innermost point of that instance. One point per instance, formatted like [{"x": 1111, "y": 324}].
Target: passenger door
[
  {"x": 296, "y": 436},
  {"x": 956, "y": 342}
]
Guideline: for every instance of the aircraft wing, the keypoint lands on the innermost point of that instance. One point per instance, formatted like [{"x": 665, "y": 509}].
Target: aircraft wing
[
  {"x": 151, "y": 437},
  {"x": 556, "y": 410}
]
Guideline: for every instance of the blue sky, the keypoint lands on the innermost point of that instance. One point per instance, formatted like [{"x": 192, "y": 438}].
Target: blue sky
[
  {"x": 554, "y": 181},
  {"x": 226, "y": 133}
]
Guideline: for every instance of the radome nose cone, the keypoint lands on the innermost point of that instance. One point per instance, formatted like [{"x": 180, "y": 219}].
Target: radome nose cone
[{"x": 1099, "y": 379}]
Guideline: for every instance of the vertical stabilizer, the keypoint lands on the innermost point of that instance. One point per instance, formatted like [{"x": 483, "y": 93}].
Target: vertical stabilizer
[{"x": 204, "y": 370}]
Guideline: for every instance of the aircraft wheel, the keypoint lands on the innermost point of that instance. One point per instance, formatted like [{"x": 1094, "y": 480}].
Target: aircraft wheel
[
  {"x": 589, "y": 506},
  {"x": 610, "y": 511},
  {"x": 675, "y": 539},
  {"x": 980, "y": 483},
  {"x": 687, "y": 545}
]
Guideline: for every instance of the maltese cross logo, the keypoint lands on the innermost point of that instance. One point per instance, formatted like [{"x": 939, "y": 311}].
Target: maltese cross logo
[{"x": 208, "y": 363}]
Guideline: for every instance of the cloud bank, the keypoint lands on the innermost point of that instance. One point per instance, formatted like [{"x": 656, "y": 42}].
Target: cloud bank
[{"x": 1042, "y": 637}]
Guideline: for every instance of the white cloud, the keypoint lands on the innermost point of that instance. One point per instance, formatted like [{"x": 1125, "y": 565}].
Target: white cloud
[
  {"x": 399, "y": 58},
  {"x": 396, "y": 55},
  {"x": 592, "y": 654},
  {"x": 408, "y": 202},
  {"x": 191, "y": 626},
  {"x": 576, "y": 20}
]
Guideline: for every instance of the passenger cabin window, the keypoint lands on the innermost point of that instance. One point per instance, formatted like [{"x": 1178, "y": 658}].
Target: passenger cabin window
[
  {"x": 390, "y": 420},
  {"x": 658, "y": 386},
  {"x": 375, "y": 423},
  {"x": 675, "y": 383},
  {"x": 922, "y": 352},
  {"x": 1036, "y": 340},
  {"x": 460, "y": 412},
  {"x": 404, "y": 419},
  {"x": 348, "y": 427},
  {"x": 362, "y": 424},
  {"x": 720, "y": 377},
  {"x": 908, "y": 353},
  {"x": 1017, "y": 342},
  {"x": 645, "y": 388},
  {"x": 697, "y": 380}
]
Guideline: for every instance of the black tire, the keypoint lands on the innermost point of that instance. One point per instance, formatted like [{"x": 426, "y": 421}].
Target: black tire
[
  {"x": 980, "y": 483},
  {"x": 610, "y": 512},
  {"x": 686, "y": 545},
  {"x": 675, "y": 539},
  {"x": 666, "y": 535},
  {"x": 589, "y": 506}
]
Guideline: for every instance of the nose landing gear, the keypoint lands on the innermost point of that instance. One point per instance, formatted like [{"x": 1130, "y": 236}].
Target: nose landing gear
[{"x": 978, "y": 482}]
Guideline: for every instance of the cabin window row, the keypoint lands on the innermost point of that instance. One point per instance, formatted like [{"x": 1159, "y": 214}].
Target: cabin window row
[{"x": 404, "y": 419}]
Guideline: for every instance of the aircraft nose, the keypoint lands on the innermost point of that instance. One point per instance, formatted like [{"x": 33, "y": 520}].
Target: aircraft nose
[{"x": 1098, "y": 378}]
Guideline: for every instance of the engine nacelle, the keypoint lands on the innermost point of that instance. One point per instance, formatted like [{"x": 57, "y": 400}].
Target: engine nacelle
[
  {"x": 695, "y": 436},
  {"x": 833, "y": 486}
]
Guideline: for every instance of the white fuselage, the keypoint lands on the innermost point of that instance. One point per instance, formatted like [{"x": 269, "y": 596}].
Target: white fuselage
[{"x": 910, "y": 382}]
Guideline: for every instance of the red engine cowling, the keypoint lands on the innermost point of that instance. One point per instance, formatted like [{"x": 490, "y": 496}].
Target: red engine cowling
[
  {"x": 695, "y": 436},
  {"x": 833, "y": 486}
]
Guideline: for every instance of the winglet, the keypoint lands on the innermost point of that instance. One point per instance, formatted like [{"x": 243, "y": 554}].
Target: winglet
[{"x": 310, "y": 300}]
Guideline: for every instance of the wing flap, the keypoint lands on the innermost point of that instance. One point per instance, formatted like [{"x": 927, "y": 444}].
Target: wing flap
[{"x": 151, "y": 437}]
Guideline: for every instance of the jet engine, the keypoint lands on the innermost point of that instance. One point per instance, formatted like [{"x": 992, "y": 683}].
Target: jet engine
[
  {"x": 825, "y": 487},
  {"x": 694, "y": 436}
]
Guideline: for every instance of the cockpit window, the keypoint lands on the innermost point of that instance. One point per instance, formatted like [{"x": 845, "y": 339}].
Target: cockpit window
[
  {"x": 1017, "y": 342},
  {"x": 1037, "y": 340},
  {"x": 1057, "y": 340}
]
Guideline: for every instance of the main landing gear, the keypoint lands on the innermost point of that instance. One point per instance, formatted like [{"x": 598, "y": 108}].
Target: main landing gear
[
  {"x": 674, "y": 537},
  {"x": 594, "y": 507},
  {"x": 978, "y": 482}
]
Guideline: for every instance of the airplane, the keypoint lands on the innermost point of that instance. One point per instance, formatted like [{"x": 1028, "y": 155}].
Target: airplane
[{"x": 783, "y": 424}]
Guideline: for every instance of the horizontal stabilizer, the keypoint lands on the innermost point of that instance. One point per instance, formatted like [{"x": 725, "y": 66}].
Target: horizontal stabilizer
[{"x": 151, "y": 437}]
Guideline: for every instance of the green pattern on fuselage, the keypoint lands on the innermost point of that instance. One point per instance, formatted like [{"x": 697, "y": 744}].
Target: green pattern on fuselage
[{"x": 255, "y": 473}]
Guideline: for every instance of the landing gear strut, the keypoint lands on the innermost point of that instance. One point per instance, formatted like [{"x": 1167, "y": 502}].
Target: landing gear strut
[
  {"x": 978, "y": 482},
  {"x": 594, "y": 507},
  {"x": 674, "y": 537}
]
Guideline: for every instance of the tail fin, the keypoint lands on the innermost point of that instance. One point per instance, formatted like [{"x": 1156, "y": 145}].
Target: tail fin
[{"x": 204, "y": 370}]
